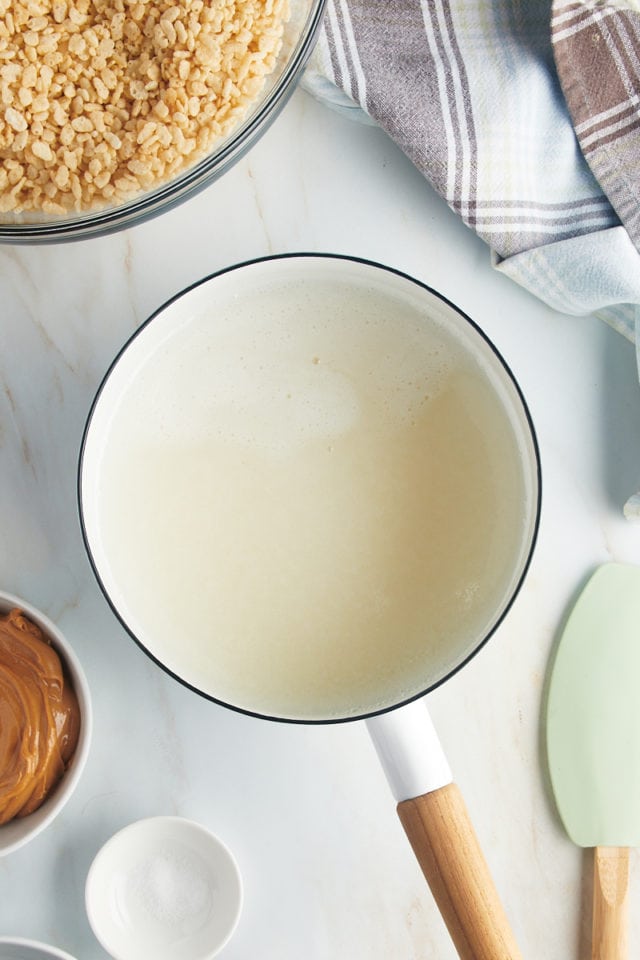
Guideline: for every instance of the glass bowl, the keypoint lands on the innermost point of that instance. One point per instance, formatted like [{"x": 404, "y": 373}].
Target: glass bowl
[{"x": 298, "y": 39}]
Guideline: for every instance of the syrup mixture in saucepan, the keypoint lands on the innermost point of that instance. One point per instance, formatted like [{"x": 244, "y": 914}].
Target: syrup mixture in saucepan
[{"x": 312, "y": 502}]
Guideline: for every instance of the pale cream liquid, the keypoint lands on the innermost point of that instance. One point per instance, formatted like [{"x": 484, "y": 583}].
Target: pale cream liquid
[{"x": 312, "y": 508}]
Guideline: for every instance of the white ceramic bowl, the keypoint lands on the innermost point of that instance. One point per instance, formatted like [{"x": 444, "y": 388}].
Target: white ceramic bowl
[
  {"x": 17, "y": 948},
  {"x": 20, "y": 830},
  {"x": 163, "y": 887}
]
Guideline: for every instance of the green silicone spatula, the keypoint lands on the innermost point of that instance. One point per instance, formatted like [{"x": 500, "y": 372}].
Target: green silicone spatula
[{"x": 593, "y": 740}]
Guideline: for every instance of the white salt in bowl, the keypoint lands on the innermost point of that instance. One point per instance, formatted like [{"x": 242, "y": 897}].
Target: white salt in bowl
[{"x": 163, "y": 887}]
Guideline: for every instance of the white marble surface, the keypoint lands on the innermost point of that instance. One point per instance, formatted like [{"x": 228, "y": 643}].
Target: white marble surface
[{"x": 328, "y": 872}]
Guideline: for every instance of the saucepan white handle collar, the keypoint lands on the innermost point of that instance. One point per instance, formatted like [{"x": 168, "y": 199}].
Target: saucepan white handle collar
[{"x": 409, "y": 750}]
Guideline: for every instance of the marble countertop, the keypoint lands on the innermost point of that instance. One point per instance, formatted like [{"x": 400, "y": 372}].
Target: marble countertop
[{"x": 307, "y": 811}]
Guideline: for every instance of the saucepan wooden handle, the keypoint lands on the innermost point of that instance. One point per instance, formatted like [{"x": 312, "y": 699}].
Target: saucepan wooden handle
[
  {"x": 444, "y": 842},
  {"x": 610, "y": 888},
  {"x": 437, "y": 824}
]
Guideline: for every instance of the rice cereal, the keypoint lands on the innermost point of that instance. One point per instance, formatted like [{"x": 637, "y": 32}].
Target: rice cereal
[{"x": 101, "y": 100}]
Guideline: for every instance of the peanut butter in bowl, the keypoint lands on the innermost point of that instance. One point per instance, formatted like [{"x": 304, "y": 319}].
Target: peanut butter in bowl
[
  {"x": 39, "y": 717},
  {"x": 45, "y": 722}
]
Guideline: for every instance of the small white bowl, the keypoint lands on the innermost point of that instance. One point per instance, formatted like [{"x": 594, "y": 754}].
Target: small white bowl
[
  {"x": 17, "y": 948},
  {"x": 20, "y": 830},
  {"x": 163, "y": 887}
]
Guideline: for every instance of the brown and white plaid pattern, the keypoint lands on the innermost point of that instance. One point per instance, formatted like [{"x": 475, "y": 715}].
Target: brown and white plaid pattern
[
  {"x": 597, "y": 51},
  {"x": 525, "y": 116},
  {"x": 467, "y": 89}
]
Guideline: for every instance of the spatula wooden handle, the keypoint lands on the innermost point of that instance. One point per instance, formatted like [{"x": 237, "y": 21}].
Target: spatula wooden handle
[
  {"x": 610, "y": 887},
  {"x": 444, "y": 842}
]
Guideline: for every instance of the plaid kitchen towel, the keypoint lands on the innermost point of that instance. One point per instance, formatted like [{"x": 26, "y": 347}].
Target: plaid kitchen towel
[{"x": 525, "y": 116}]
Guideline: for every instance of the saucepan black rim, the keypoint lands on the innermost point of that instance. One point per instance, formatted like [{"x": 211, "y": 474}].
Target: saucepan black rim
[{"x": 515, "y": 590}]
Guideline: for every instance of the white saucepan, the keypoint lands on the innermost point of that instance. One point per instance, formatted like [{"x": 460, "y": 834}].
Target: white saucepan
[{"x": 219, "y": 370}]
